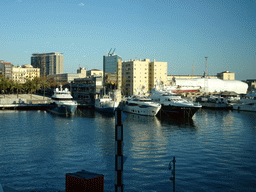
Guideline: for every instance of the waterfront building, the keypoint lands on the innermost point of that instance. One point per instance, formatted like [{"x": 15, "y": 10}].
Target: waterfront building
[
  {"x": 226, "y": 75},
  {"x": 68, "y": 77},
  {"x": 25, "y": 72},
  {"x": 49, "y": 63},
  {"x": 84, "y": 90},
  {"x": 111, "y": 64},
  {"x": 157, "y": 74},
  {"x": 171, "y": 77},
  {"x": 6, "y": 69},
  {"x": 214, "y": 85},
  {"x": 251, "y": 84},
  {"x": 141, "y": 76}
]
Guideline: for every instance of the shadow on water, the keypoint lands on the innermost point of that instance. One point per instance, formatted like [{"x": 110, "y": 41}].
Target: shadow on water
[
  {"x": 88, "y": 113},
  {"x": 186, "y": 122},
  {"x": 92, "y": 113}
]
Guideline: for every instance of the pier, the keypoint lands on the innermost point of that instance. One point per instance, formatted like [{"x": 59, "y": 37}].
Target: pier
[{"x": 23, "y": 102}]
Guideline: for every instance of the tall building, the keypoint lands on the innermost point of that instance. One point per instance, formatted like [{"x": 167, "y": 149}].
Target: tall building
[
  {"x": 141, "y": 76},
  {"x": 110, "y": 64},
  {"x": 157, "y": 73},
  {"x": 6, "y": 69},
  {"x": 49, "y": 63}
]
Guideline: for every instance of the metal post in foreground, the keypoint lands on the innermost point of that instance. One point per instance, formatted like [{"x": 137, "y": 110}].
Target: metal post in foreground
[
  {"x": 119, "y": 187},
  {"x": 173, "y": 172}
]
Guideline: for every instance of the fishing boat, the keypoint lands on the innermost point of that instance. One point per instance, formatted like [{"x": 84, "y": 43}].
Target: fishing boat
[
  {"x": 174, "y": 105},
  {"x": 61, "y": 102},
  {"x": 140, "y": 105},
  {"x": 106, "y": 104}
]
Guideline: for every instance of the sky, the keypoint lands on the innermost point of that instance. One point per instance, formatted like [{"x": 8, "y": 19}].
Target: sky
[{"x": 179, "y": 32}]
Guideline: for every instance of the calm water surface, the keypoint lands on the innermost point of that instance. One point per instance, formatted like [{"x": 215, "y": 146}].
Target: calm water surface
[{"x": 216, "y": 151}]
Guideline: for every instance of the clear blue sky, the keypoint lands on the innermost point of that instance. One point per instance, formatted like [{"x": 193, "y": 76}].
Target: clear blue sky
[{"x": 180, "y": 32}]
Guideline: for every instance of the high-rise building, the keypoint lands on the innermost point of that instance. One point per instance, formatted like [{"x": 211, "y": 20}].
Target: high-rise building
[
  {"x": 110, "y": 64},
  {"x": 49, "y": 63},
  {"x": 141, "y": 76}
]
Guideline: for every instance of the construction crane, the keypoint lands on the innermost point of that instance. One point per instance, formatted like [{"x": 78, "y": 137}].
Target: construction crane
[
  {"x": 110, "y": 54},
  {"x": 193, "y": 69}
]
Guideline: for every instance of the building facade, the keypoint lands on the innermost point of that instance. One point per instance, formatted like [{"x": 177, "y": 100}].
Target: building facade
[
  {"x": 141, "y": 76},
  {"x": 6, "y": 69},
  {"x": 23, "y": 73},
  {"x": 226, "y": 75},
  {"x": 49, "y": 63},
  {"x": 68, "y": 77},
  {"x": 94, "y": 73},
  {"x": 84, "y": 90},
  {"x": 157, "y": 74},
  {"x": 110, "y": 64},
  {"x": 251, "y": 84}
]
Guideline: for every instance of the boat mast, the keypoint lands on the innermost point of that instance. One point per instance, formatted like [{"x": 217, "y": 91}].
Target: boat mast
[{"x": 206, "y": 77}]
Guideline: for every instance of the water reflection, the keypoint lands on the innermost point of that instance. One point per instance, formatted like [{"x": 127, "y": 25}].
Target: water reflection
[{"x": 186, "y": 122}]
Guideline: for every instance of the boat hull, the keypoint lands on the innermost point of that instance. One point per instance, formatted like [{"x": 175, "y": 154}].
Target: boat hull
[
  {"x": 216, "y": 105},
  {"x": 149, "y": 111},
  {"x": 62, "y": 109},
  {"x": 245, "y": 107},
  {"x": 178, "y": 112},
  {"x": 106, "y": 107}
]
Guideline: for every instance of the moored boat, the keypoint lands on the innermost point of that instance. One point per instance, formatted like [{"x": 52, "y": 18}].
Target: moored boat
[
  {"x": 248, "y": 103},
  {"x": 61, "y": 102},
  {"x": 106, "y": 104},
  {"x": 140, "y": 105},
  {"x": 174, "y": 105},
  {"x": 214, "y": 102}
]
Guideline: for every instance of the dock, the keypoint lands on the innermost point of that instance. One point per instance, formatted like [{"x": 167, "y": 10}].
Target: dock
[{"x": 23, "y": 102}]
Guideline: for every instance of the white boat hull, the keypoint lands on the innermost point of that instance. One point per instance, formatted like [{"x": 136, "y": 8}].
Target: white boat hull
[{"x": 141, "y": 110}]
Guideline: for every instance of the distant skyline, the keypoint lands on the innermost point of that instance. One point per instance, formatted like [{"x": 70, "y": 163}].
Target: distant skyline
[{"x": 179, "y": 32}]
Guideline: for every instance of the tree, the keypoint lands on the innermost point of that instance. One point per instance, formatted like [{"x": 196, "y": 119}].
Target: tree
[
  {"x": 4, "y": 84},
  {"x": 32, "y": 85},
  {"x": 45, "y": 82},
  {"x": 18, "y": 87}
]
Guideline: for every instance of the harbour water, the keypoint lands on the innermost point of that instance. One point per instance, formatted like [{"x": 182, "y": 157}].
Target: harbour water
[{"x": 215, "y": 151}]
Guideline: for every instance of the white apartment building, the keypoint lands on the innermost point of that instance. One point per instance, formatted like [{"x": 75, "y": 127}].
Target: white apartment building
[{"x": 23, "y": 73}]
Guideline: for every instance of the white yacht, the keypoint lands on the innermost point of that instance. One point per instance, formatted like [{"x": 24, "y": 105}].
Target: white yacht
[
  {"x": 248, "y": 103},
  {"x": 106, "y": 104},
  {"x": 174, "y": 105},
  {"x": 140, "y": 105},
  {"x": 61, "y": 102}
]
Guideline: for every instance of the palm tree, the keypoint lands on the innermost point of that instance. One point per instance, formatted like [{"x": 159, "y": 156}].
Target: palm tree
[
  {"x": 18, "y": 87},
  {"x": 32, "y": 85},
  {"x": 4, "y": 84},
  {"x": 45, "y": 82}
]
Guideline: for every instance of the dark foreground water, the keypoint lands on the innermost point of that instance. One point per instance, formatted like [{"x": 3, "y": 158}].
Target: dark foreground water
[{"x": 216, "y": 151}]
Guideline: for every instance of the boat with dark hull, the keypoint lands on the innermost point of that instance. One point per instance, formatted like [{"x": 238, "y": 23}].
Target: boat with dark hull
[
  {"x": 174, "y": 105},
  {"x": 62, "y": 103}
]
